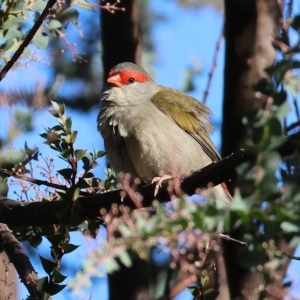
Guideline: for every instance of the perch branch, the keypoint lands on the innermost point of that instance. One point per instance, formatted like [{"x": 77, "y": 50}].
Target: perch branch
[{"x": 45, "y": 212}]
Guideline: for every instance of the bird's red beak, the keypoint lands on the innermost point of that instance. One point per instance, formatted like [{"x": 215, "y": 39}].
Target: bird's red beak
[{"x": 115, "y": 79}]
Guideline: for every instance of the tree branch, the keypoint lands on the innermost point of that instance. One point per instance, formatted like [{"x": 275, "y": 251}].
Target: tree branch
[
  {"x": 45, "y": 212},
  {"x": 28, "y": 39},
  {"x": 20, "y": 260}
]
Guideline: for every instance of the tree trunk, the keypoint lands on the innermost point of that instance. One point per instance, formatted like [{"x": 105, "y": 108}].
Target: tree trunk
[
  {"x": 121, "y": 35},
  {"x": 121, "y": 41},
  {"x": 250, "y": 26}
]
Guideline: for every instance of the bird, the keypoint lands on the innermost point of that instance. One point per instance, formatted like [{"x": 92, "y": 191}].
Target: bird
[{"x": 153, "y": 131}]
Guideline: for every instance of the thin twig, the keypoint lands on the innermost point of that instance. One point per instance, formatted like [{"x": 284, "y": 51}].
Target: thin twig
[
  {"x": 213, "y": 66},
  {"x": 38, "y": 181},
  {"x": 33, "y": 180},
  {"x": 292, "y": 126},
  {"x": 228, "y": 238},
  {"x": 296, "y": 109},
  {"x": 28, "y": 39},
  {"x": 292, "y": 256}
]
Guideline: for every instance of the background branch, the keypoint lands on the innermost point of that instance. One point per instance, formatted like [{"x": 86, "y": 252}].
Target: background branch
[{"x": 20, "y": 260}]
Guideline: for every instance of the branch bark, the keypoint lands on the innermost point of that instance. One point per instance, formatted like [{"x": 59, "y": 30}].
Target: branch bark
[
  {"x": 43, "y": 213},
  {"x": 250, "y": 26},
  {"x": 20, "y": 260}
]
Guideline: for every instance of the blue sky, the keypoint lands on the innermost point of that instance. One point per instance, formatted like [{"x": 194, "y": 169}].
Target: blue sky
[{"x": 185, "y": 36}]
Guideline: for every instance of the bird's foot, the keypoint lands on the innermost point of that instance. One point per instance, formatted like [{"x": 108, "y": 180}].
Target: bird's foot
[{"x": 158, "y": 181}]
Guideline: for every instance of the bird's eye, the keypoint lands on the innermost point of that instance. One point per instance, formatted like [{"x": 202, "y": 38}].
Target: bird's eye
[{"x": 131, "y": 80}]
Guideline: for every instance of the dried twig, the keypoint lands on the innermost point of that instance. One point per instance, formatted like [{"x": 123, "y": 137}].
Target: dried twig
[
  {"x": 228, "y": 238},
  {"x": 292, "y": 256},
  {"x": 213, "y": 66},
  {"x": 38, "y": 181}
]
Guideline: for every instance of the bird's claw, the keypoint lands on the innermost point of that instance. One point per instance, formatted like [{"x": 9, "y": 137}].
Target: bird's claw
[{"x": 158, "y": 181}]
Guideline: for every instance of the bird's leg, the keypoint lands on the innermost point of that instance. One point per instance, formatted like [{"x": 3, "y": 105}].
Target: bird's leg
[{"x": 158, "y": 181}]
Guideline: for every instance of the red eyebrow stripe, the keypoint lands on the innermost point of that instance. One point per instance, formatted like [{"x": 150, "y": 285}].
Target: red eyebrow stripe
[{"x": 139, "y": 77}]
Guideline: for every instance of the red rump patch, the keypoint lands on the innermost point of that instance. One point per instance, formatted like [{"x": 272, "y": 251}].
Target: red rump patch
[{"x": 224, "y": 186}]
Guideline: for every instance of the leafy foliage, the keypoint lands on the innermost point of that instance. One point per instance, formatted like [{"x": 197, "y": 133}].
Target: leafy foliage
[{"x": 265, "y": 206}]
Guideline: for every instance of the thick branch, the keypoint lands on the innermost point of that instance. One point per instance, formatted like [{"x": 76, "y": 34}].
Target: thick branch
[
  {"x": 20, "y": 260},
  {"x": 42, "y": 213}
]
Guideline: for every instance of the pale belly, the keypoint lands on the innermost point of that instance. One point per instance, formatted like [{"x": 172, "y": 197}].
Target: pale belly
[{"x": 158, "y": 146}]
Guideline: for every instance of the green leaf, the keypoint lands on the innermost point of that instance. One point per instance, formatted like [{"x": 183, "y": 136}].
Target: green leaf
[
  {"x": 28, "y": 150},
  {"x": 55, "y": 288},
  {"x": 82, "y": 184},
  {"x": 13, "y": 32},
  {"x": 194, "y": 290},
  {"x": 111, "y": 265},
  {"x": 289, "y": 227},
  {"x": 69, "y": 15},
  {"x": 55, "y": 239},
  {"x": 9, "y": 45},
  {"x": 264, "y": 86},
  {"x": 86, "y": 163},
  {"x": 74, "y": 136},
  {"x": 239, "y": 204},
  {"x": 58, "y": 277},
  {"x": 53, "y": 112},
  {"x": 271, "y": 162},
  {"x": 66, "y": 173},
  {"x": 84, "y": 5},
  {"x": 68, "y": 247},
  {"x": 68, "y": 123},
  {"x": 79, "y": 154},
  {"x": 67, "y": 140},
  {"x": 125, "y": 259},
  {"x": 292, "y": 84},
  {"x": 100, "y": 153},
  {"x": 294, "y": 242},
  {"x": 42, "y": 284},
  {"x": 274, "y": 126},
  {"x": 12, "y": 21},
  {"x": 55, "y": 105},
  {"x": 211, "y": 211},
  {"x": 38, "y": 5},
  {"x": 211, "y": 294},
  {"x": 197, "y": 220},
  {"x": 54, "y": 24},
  {"x": 66, "y": 153},
  {"x": 26, "y": 53},
  {"x": 296, "y": 23},
  {"x": 41, "y": 40},
  {"x": 48, "y": 265},
  {"x": 283, "y": 110},
  {"x": 124, "y": 230},
  {"x": 35, "y": 241}
]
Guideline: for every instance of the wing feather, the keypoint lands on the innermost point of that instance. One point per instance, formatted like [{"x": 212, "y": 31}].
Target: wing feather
[{"x": 189, "y": 114}]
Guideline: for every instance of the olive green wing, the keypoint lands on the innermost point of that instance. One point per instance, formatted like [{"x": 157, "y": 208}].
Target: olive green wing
[{"x": 189, "y": 114}]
